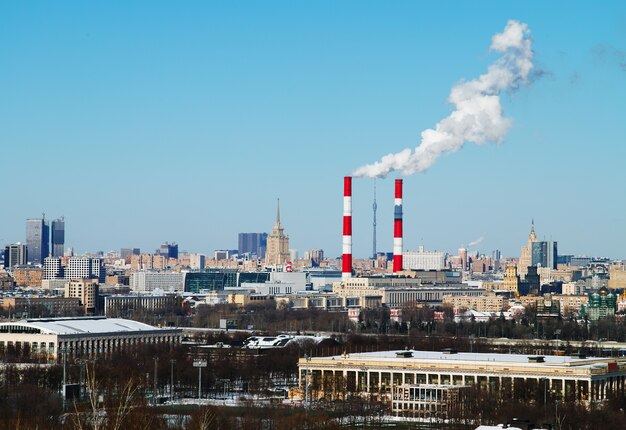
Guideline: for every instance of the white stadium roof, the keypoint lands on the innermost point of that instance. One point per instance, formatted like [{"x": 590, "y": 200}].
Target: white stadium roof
[{"x": 74, "y": 326}]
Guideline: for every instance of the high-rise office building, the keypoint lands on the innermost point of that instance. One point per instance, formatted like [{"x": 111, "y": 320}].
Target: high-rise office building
[
  {"x": 57, "y": 239},
  {"x": 169, "y": 250},
  {"x": 253, "y": 243},
  {"x": 15, "y": 255},
  {"x": 37, "y": 240},
  {"x": 544, "y": 254}
]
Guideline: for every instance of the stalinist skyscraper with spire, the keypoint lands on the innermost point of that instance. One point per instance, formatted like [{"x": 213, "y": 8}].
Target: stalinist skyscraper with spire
[
  {"x": 277, "y": 243},
  {"x": 526, "y": 254}
]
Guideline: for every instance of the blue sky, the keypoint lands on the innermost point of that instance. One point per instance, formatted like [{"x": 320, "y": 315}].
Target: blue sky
[{"x": 143, "y": 122}]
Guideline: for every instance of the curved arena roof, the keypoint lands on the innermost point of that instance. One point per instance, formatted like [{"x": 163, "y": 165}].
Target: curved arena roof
[{"x": 69, "y": 326}]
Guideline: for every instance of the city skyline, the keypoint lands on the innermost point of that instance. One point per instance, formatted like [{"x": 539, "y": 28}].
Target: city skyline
[{"x": 241, "y": 107}]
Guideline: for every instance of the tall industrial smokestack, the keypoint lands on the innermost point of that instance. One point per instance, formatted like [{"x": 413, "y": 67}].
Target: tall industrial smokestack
[
  {"x": 374, "y": 207},
  {"x": 346, "y": 260},
  {"x": 397, "y": 228}
]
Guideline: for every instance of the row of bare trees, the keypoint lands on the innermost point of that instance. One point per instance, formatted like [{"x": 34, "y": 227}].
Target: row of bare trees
[{"x": 266, "y": 317}]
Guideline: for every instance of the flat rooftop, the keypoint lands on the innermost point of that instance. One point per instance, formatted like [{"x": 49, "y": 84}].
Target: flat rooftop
[{"x": 416, "y": 358}]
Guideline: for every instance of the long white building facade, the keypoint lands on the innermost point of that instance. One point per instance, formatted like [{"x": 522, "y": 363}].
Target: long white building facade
[
  {"x": 49, "y": 338},
  {"x": 368, "y": 292},
  {"x": 586, "y": 379}
]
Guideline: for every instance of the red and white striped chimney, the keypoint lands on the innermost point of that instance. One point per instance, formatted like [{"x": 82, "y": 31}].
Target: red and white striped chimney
[
  {"x": 346, "y": 260},
  {"x": 397, "y": 228}
]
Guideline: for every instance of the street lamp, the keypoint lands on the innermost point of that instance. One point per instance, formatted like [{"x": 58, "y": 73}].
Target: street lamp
[
  {"x": 306, "y": 381},
  {"x": 556, "y": 414},
  {"x": 63, "y": 351},
  {"x": 545, "y": 392},
  {"x": 154, "y": 392},
  {"x": 224, "y": 384},
  {"x": 200, "y": 363},
  {"x": 172, "y": 361}
]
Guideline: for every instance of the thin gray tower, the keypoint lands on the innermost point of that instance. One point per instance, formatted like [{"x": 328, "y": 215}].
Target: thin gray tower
[{"x": 374, "y": 207}]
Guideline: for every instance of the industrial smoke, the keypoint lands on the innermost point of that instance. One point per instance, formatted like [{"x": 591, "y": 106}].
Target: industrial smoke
[
  {"x": 477, "y": 115},
  {"x": 476, "y": 242}
]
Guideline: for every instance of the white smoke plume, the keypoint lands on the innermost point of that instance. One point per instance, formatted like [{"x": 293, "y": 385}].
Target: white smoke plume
[
  {"x": 477, "y": 115},
  {"x": 476, "y": 242}
]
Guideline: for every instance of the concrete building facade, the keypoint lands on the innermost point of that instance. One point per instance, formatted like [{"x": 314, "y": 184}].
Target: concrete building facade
[
  {"x": 50, "y": 338},
  {"x": 579, "y": 378},
  {"x": 86, "y": 290},
  {"x": 423, "y": 260},
  {"x": 15, "y": 254},
  {"x": 85, "y": 268},
  {"x": 491, "y": 303},
  {"x": 368, "y": 292},
  {"x": 52, "y": 268},
  {"x": 148, "y": 281}
]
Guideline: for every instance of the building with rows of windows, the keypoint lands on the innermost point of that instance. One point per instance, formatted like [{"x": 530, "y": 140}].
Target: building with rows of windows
[
  {"x": 83, "y": 336},
  {"x": 586, "y": 379}
]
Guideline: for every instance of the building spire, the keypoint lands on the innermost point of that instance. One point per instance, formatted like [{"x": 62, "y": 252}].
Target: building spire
[
  {"x": 278, "y": 212},
  {"x": 533, "y": 236}
]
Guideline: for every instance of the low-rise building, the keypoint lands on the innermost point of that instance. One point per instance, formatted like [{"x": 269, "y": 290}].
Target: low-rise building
[
  {"x": 147, "y": 262},
  {"x": 396, "y": 291},
  {"x": 575, "y": 378},
  {"x": 28, "y": 276},
  {"x": 53, "y": 284},
  {"x": 571, "y": 303},
  {"x": 125, "y": 305},
  {"x": 270, "y": 288},
  {"x": 432, "y": 295},
  {"x": 315, "y": 300},
  {"x": 34, "y": 306},
  {"x": 6, "y": 281},
  {"x": 80, "y": 337},
  {"x": 483, "y": 303}
]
